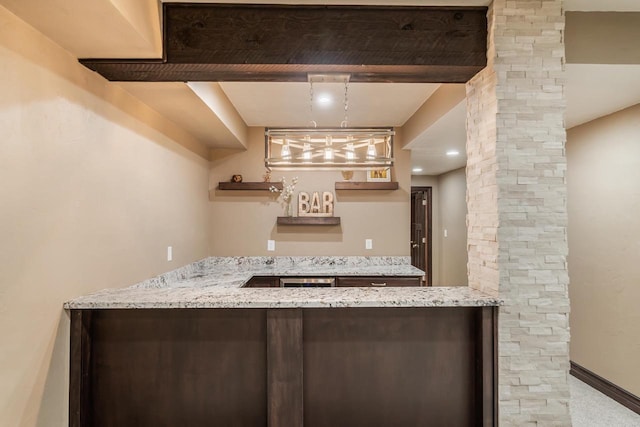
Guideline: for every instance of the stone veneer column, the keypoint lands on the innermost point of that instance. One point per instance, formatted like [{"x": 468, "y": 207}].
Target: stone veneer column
[{"x": 516, "y": 196}]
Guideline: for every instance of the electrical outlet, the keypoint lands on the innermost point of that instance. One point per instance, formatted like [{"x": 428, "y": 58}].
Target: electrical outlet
[
  {"x": 368, "y": 244},
  {"x": 169, "y": 253},
  {"x": 271, "y": 245}
]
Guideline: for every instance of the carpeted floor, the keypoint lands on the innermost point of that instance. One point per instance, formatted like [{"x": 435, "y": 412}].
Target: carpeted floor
[{"x": 590, "y": 408}]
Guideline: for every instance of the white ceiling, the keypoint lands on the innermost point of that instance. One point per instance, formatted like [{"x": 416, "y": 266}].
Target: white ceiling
[
  {"x": 595, "y": 90},
  {"x": 131, "y": 28},
  {"x": 288, "y": 104},
  {"x": 447, "y": 134},
  {"x": 187, "y": 109},
  {"x": 591, "y": 90}
]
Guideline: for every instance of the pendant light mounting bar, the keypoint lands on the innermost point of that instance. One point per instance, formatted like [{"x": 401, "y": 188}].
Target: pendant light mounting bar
[{"x": 328, "y": 78}]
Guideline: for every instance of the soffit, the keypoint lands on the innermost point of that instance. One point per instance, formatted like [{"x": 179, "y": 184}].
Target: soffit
[
  {"x": 596, "y": 90},
  {"x": 289, "y": 104}
]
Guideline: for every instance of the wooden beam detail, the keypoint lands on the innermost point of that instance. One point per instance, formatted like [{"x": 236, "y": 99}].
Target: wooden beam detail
[
  {"x": 284, "y": 368},
  {"x": 487, "y": 366},
  {"x": 79, "y": 369},
  {"x": 224, "y": 42},
  {"x": 255, "y": 34}
]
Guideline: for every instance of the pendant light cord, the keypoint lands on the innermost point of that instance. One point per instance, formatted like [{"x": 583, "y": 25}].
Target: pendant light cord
[
  {"x": 311, "y": 121},
  {"x": 345, "y": 122}
]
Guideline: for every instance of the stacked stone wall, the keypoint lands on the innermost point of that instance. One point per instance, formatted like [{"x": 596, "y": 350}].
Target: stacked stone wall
[{"x": 516, "y": 195}]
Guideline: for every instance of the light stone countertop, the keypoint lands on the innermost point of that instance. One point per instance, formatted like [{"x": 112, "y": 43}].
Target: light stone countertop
[{"x": 216, "y": 282}]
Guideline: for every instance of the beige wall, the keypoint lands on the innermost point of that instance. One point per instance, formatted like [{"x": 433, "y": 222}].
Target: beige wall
[
  {"x": 92, "y": 191},
  {"x": 602, "y": 37},
  {"x": 242, "y": 222},
  {"x": 452, "y": 205},
  {"x": 604, "y": 243}
]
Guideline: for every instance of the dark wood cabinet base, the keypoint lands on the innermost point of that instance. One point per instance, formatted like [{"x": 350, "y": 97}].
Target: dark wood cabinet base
[
  {"x": 284, "y": 367},
  {"x": 343, "y": 281},
  {"x": 169, "y": 368}
]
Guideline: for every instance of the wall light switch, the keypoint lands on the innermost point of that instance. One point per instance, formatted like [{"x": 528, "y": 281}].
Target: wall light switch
[
  {"x": 271, "y": 245},
  {"x": 368, "y": 244},
  {"x": 169, "y": 253},
  {"x": 445, "y": 233}
]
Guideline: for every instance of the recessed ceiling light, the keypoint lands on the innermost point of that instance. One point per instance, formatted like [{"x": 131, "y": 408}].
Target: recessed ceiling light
[
  {"x": 453, "y": 153},
  {"x": 416, "y": 170},
  {"x": 324, "y": 100}
]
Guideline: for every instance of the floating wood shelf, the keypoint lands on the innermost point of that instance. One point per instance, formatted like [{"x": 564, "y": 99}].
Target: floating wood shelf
[
  {"x": 260, "y": 186},
  {"x": 353, "y": 185},
  {"x": 308, "y": 220}
]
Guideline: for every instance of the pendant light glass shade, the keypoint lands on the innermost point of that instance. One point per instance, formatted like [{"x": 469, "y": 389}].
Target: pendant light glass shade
[
  {"x": 285, "y": 153},
  {"x": 371, "y": 151},
  {"x": 351, "y": 155},
  {"x": 328, "y": 154},
  {"x": 306, "y": 152}
]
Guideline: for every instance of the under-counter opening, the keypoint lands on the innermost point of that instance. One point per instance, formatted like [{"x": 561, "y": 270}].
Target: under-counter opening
[{"x": 307, "y": 282}]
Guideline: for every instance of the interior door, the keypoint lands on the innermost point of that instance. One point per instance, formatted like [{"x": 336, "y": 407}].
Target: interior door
[{"x": 421, "y": 230}]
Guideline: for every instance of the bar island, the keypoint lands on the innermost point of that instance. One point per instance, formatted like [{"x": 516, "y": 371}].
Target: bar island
[{"x": 219, "y": 342}]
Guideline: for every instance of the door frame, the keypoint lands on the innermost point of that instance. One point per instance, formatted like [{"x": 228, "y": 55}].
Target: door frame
[{"x": 429, "y": 220}]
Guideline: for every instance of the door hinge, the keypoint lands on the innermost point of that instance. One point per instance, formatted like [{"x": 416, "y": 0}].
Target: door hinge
[
  {"x": 424, "y": 202},
  {"x": 424, "y": 240}
]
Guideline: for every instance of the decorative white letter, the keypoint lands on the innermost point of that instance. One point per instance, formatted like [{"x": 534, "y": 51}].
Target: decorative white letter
[
  {"x": 303, "y": 203},
  {"x": 327, "y": 202},
  {"x": 315, "y": 203}
]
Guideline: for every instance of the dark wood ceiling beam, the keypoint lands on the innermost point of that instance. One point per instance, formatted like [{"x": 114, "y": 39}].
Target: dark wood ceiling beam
[
  {"x": 214, "y": 42},
  {"x": 165, "y": 72}
]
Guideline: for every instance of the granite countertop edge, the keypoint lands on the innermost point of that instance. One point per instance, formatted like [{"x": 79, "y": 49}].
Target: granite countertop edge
[{"x": 217, "y": 282}]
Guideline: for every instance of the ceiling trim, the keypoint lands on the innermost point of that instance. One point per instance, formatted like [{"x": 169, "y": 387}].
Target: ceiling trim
[{"x": 224, "y": 42}]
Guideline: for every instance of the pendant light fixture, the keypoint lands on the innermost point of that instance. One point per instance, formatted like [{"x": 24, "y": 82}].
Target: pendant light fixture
[{"x": 329, "y": 148}]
